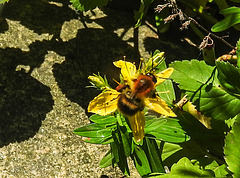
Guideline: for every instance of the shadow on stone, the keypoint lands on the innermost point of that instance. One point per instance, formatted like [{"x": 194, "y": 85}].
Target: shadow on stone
[
  {"x": 93, "y": 51},
  {"x": 41, "y": 16},
  {"x": 24, "y": 101}
]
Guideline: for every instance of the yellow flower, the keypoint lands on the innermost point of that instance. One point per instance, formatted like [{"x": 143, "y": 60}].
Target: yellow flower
[{"x": 134, "y": 96}]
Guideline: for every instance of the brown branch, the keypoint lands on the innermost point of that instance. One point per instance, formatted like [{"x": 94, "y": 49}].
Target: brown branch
[{"x": 176, "y": 11}]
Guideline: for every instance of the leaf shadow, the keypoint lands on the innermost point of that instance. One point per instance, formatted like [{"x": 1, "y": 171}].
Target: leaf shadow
[
  {"x": 24, "y": 101},
  {"x": 93, "y": 51}
]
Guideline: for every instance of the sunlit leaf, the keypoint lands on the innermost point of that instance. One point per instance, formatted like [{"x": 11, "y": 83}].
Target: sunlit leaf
[
  {"x": 173, "y": 152},
  {"x": 232, "y": 17},
  {"x": 191, "y": 75},
  {"x": 231, "y": 149},
  {"x": 3, "y": 1},
  {"x": 219, "y": 170},
  {"x": 238, "y": 53},
  {"x": 201, "y": 84},
  {"x": 104, "y": 120},
  {"x": 97, "y": 140},
  {"x": 169, "y": 149},
  {"x": 165, "y": 90},
  {"x": 184, "y": 168},
  {"x": 106, "y": 160},
  {"x": 85, "y": 5},
  {"x": 93, "y": 130},
  {"x": 230, "y": 10},
  {"x": 163, "y": 129}
]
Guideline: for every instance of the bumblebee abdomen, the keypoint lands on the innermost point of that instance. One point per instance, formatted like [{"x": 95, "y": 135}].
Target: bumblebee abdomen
[{"x": 129, "y": 106}]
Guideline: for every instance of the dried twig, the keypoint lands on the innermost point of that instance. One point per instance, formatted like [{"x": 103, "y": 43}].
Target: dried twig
[{"x": 177, "y": 12}]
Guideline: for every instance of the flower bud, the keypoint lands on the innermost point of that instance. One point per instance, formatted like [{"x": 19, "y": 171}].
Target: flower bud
[{"x": 99, "y": 82}]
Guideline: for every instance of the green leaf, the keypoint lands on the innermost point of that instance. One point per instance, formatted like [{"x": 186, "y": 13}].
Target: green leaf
[
  {"x": 192, "y": 150},
  {"x": 163, "y": 129},
  {"x": 3, "y": 1},
  {"x": 97, "y": 140},
  {"x": 140, "y": 160},
  {"x": 85, "y": 5},
  {"x": 232, "y": 18},
  {"x": 231, "y": 121},
  {"x": 106, "y": 160},
  {"x": 197, "y": 130},
  {"x": 142, "y": 11},
  {"x": 114, "y": 150},
  {"x": 185, "y": 169},
  {"x": 125, "y": 139},
  {"x": 104, "y": 120},
  {"x": 230, "y": 10},
  {"x": 169, "y": 149},
  {"x": 203, "y": 140},
  {"x": 229, "y": 77},
  {"x": 231, "y": 149},
  {"x": 238, "y": 53},
  {"x": 173, "y": 152},
  {"x": 191, "y": 75},
  {"x": 208, "y": 53},
  {"x": 153, "y": 155},
  {"x": 93, "y": 130},
  {"x": 219, "y": 170},
  {"x": 214, "y": 102},
  {"x": 118, "y": 152},
  {"x": 165, "y": 90},
  {"x": 201, "y": 84}
]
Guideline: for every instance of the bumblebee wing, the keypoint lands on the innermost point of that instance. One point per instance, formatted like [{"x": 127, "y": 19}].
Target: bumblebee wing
[
  {"x": 128, "y": 70},
  {"x": 105, "y": 103},
  {"x": 159, "y": 105},
  {"x": 137, "y": 123},
  {"x": 161, "y": 77}
]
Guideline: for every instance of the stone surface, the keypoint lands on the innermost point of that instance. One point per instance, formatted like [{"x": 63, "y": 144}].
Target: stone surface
[{"x": 47, "y": 51}]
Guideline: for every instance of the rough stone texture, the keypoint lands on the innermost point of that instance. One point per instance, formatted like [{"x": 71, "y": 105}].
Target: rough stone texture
[{"x": 47, "y": 52}]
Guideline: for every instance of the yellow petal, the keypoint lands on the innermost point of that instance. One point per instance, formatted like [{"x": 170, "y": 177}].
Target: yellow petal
[
  {"x": 105, "y": 103},
  {"x": 128, "y": 70},
  {"x": 137, "y": 123},
  {"x": 161, "y": 77},
  {"x": 159, "y": 105}
]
